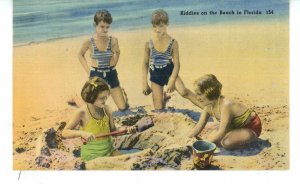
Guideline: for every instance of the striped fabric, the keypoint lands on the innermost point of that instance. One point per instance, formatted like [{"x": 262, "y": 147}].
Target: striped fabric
[
  {"x": 102, "y": 57},
  {"x": 160, "y": 58}
]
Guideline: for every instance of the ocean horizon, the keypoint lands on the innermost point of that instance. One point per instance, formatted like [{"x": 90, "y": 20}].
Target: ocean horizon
[{"x": 38, "y": 21}]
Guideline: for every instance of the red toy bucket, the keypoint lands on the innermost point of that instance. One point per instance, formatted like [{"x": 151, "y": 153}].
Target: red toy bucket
[{"x": 203, "y": 154}]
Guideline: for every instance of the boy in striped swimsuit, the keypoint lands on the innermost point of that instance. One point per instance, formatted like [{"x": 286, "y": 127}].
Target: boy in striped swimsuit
[
  {"x": 162, "y": 57},
  {"x": 105, "y": 54}
]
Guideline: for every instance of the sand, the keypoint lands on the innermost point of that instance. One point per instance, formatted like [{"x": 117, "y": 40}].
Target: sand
[{"x": 250, "y": 59}]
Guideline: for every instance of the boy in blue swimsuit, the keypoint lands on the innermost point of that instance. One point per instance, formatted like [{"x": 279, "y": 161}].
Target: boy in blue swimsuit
[
  {"x": 105, "y": 54},
  {"x": 162, "y": 57}
]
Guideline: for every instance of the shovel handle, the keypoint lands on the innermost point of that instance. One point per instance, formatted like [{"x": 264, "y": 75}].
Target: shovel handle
[{"x": 116, "y": 133}]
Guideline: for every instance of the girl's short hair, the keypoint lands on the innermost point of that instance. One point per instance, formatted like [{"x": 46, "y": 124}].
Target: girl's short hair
[
  {"x": 159, "y": 16},
  {"x": 209, "y": 85},
  {"x": 102, "y": 15},
  {"x": 92, "y": 88}
]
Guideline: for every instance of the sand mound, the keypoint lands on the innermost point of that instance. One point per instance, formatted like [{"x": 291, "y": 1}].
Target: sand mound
[{"x": 162, "y": 146}]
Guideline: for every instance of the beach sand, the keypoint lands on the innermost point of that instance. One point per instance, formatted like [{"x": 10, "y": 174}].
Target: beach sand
[{"x": 250, "y": 59}]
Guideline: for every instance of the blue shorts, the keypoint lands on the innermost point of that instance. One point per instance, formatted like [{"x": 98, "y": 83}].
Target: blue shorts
[
  {"x": 110, "y": 76},
  {"x": 161, "y": 76}
]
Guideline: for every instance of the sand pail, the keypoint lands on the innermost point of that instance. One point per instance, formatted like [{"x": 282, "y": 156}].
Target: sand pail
[{"x": 203, "y": 154}]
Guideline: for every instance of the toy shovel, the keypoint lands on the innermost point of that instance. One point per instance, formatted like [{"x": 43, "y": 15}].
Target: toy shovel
[{"x": 142, "y": 125}]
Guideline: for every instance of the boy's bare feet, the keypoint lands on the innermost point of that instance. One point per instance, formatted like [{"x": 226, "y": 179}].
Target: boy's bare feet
[{"x": 167, "y": 97}]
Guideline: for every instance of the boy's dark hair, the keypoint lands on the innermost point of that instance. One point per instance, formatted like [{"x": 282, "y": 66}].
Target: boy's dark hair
[
  {"x": 209, "y": 85},
  {"x": 102, "y": 15},
  {"x": 92, "y": 88},
  {"x": 159, "y": 16}
]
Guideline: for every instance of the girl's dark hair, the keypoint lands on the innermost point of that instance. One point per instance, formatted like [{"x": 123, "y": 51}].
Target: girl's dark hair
[
  {"x": 92, "y": 88},
  {"x": 102, "y": 15},
  {"x": 209, "y": 85},
  {"x": 159, "y": 16}
]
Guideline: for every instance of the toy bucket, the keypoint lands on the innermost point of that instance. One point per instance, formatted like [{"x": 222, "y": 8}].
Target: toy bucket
[{"x": 203, "y": 154}]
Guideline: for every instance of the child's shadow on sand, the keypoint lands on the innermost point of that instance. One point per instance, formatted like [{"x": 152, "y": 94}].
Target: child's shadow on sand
[
  {"x": 141, "y": 111},
  {"x": 253, "y": 148},
  {"x": 190, "y": 113}
]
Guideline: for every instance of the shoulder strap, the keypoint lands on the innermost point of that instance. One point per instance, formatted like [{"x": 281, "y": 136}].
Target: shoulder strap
[
  {"x": 212, "y": 112},
  {"x": 104, "y": 111},
  {"x": 91, "y": 115},
  {"x": 150, "y": 45},
  {"x": 219, "y": 104},
  {"x": 109, "y": 43},
  {"x": 93, "y": 43},
  {"x": 89, "y": 112},
  {"x": 170, "y": 45}
]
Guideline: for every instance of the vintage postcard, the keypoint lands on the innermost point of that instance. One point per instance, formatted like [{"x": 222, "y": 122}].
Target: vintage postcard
[{"x": 151, "y": 85}]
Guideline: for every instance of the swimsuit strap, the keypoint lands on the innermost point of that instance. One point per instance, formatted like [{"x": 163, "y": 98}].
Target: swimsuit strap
[
  {"x": 219, "y": 104},
  {"x": 170, "y": 45},
  {"x": 108, "y": 47},
  {"x": 93, "y": 43},
  {"x": 151, "y": 45},
  {"x": 109, "y": 43},
  {"x": 93, "y": 116}
]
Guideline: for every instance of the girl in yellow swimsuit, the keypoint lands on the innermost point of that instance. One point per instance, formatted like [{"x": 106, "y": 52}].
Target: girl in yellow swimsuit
[
  {"x": 93, "y": 118},
  {"x": 239, "y": 125}
]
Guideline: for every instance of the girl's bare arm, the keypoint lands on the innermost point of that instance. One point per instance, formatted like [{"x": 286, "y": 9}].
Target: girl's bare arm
[
  {"x": 193, "y": 98},
  {"x": 71, "y": 132},
  {"x": 224, "y": 122},
  {"x": 112, "y": 124},
  {"x": 200, "y": 125},
  {"x": 111, "y": 120}
]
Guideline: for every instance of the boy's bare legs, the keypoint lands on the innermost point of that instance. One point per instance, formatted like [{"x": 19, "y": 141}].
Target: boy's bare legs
[
  {"x": 157, "y": 96},
  {"x": 238, "y": 138},
  {"x": 119, "y": 99}
]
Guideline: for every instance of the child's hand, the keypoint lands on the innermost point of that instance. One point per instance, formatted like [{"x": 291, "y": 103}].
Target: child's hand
[
  {"x": 131, "y": 129},
  {"x": 112, "y": 62},
  {"x": 170, "y": 87},
  {"x": 146, "y": 89},
  {"x": 87, "y": 136}
]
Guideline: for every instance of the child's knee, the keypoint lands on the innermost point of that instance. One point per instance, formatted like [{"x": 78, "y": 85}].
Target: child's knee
[{"x": 123, "y": 107}]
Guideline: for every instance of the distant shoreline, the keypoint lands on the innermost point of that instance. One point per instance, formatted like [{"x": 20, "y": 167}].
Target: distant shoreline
[{"x": 244, "y": 22}]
